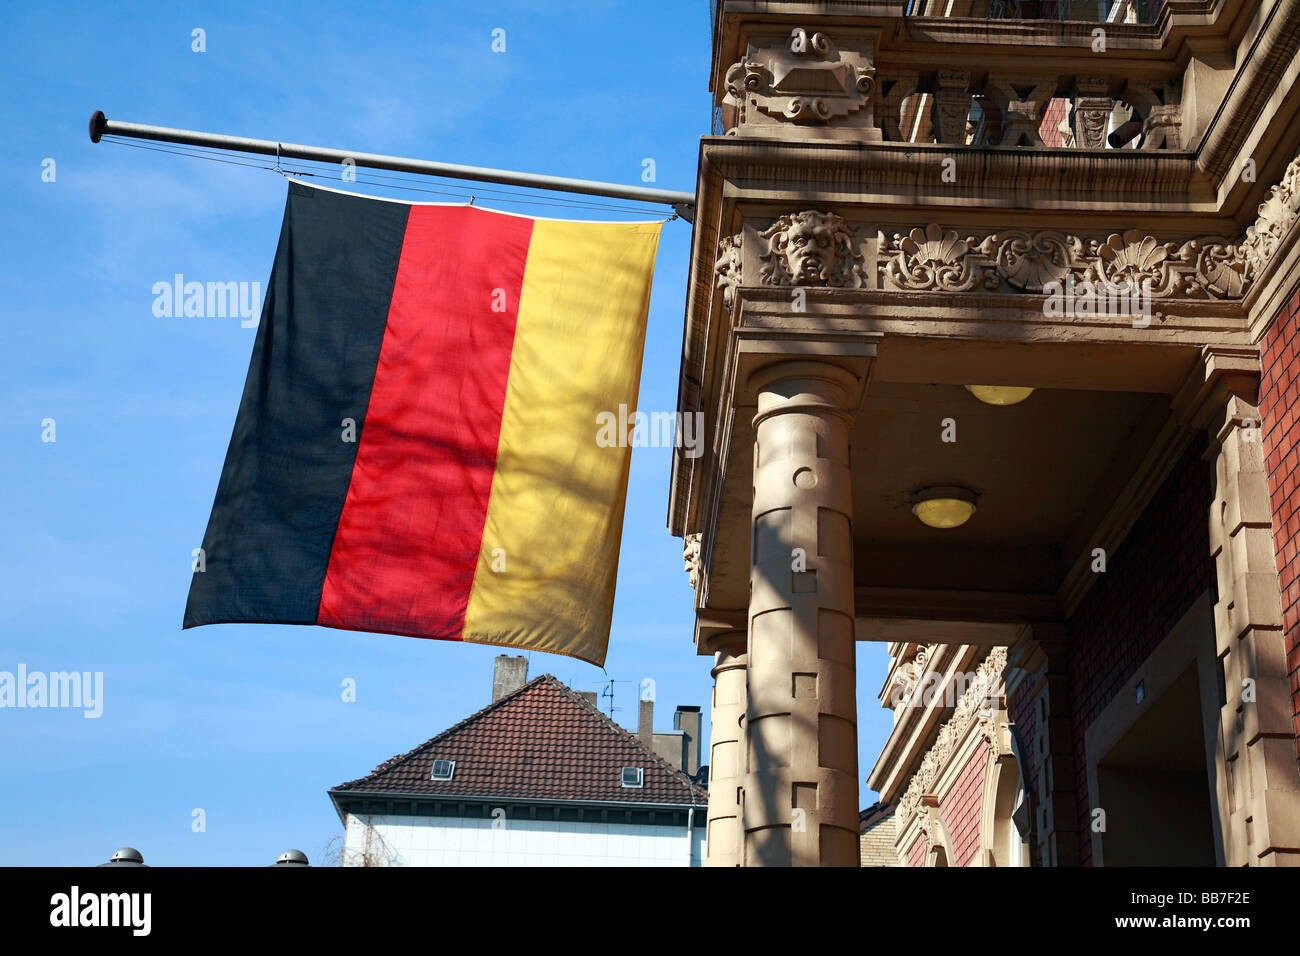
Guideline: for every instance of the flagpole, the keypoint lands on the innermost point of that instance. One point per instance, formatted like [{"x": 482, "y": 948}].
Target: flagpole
[{"x": 683, "y": 203}]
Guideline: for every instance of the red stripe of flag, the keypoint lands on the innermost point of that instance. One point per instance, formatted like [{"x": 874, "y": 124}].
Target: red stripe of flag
[{"x": 408, "y": 541}]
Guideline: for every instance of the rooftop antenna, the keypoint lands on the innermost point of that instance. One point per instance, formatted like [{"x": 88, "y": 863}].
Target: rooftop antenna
[{"x": 609, "y": 692}]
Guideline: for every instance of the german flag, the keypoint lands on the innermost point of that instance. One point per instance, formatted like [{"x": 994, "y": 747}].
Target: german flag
[{"x": 416, "y": 447}]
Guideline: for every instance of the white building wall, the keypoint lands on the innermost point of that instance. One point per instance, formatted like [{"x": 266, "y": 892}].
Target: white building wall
[{"x": 455, "y": 841}]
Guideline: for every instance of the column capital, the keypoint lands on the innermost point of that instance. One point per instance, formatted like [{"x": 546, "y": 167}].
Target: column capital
[
  {"x": 717, "y": 630},
  {"x": 840, "y": 361},
  {"x": 1222, "y": 375},
  {"x": 805, "y": 372}
]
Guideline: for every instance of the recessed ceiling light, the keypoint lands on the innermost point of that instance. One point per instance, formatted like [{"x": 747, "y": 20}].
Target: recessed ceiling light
[
  {"x": 1000, "y": 394},
  {"x": 944, "y": 506}
]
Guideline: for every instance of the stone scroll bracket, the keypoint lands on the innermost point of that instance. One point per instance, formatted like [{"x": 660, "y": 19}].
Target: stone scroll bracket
[{"x": 804, "y": 83}]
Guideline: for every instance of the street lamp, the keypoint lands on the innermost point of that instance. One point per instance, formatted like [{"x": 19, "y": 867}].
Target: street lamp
[
  {"x": 126, "y": 856},
  {"x": 291, "y": 858}
]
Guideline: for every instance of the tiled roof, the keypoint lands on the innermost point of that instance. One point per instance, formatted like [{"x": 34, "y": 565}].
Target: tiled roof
[
  {"x": 542, "y": 742},
  {"x": 874, "y": 814}
]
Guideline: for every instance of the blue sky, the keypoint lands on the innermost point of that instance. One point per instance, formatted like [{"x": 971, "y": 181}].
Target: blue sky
[{"x": 247, "y": 722}]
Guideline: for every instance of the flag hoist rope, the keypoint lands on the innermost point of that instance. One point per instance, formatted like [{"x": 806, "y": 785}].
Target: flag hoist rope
[{"x": 682, "y": 203}]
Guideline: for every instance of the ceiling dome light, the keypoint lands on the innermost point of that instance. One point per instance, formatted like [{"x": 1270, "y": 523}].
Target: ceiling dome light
[
  {"x": 1000, "y": 394},
  {"x": 944, "y": 506}
]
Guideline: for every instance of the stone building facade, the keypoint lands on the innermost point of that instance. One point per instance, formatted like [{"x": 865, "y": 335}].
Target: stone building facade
[{"x": 992, "y": 321}]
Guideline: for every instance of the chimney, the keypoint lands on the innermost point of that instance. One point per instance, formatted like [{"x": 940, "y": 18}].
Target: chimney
[
  {"x": 645, "y": 726},
  {"x": 590, "y": 697},
  {"x": 508, "y": 675},
  {"x": 687, "y": 720}
]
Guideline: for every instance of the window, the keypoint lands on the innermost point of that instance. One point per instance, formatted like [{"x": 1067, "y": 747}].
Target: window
[
  {"x": 633, "y": 777},
  {"x": 443, "y": 769}
]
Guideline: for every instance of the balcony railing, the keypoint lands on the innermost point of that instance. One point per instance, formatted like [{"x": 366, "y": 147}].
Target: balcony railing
[{"x": 1088, "y": 11}]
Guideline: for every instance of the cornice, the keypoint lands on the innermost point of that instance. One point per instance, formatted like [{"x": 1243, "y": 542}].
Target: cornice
[
  {"x": 909, "y": 177},
  {"x": 1254, "y": 83},
  {"x": 915, "y": 731}
]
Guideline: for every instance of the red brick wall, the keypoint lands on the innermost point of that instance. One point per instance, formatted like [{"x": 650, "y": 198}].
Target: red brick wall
[
  {"x": 1279, "y": 396},
  {"x": 916, "y": 852},
  {"x": 960, "y": 808},
  {"x": 1150, "y": 581},
  {"x": 1049, "y": 129}
]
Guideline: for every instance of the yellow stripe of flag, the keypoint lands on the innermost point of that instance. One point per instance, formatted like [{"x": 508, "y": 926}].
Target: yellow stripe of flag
[{"x": 549, "y": 558}]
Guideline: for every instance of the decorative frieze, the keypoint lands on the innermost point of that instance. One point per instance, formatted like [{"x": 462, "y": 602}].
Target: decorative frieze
[
  {"x": 978, "y": 704},
  {"x": 1277, "y": 213},
  {"x": 822, "y": 250},
  {"x": 811, "y": 249},
  {"x": 932, "y": 259}
]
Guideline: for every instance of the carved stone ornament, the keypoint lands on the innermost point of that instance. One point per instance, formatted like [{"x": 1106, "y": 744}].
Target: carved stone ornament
[
  {"x": 1133, "y": 259},
  {"x": 979, "y": 704},
  {"x": 811, "y": 249},
  {"x": 1277, "y": 213},
  {"x": 930, "y": 827},
  {"x": 1028, "y": 262},
  {"x": 727, "y": 268},
  {"x": 745, "y": 76},
  {"x": 950, "y": 106},
  {"x": 1208, "y": 267},
  {"x": 907, "y": 678},
  {"x": 1019, "y": 261},
  {"x": 1091, "y": 115},
  {"x": 802, "y": 78},
  {"x": 1092, "y": 109},
  {"x": 691, "y": 555},
  {"x": 1162, "y": 128},
  {"x": 931, "y": 258}
]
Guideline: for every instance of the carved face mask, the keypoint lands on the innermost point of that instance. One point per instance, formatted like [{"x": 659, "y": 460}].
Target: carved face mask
[{"x": 810, "y": 249}]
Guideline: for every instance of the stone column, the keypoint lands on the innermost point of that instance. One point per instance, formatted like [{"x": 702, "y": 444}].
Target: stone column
[
  {"x": 726, "y": 753},
  {"x": 1258, "y": 778},
  {"x": 800, "y": 796}
]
